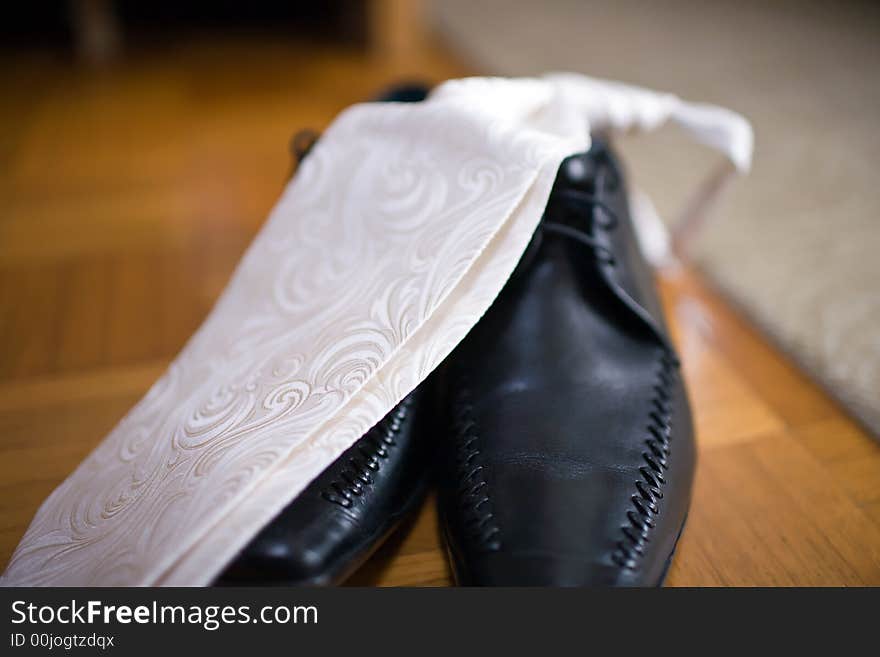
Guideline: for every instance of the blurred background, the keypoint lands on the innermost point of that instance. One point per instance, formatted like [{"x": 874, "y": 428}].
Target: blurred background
[{"x": 143, "y": 144}]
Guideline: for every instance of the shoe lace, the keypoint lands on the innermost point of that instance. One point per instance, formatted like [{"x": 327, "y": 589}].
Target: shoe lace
[{"x": 584, "y": 202}]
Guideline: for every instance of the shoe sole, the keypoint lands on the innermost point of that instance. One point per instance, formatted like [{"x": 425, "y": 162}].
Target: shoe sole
[{"x": 662, "y": 581}]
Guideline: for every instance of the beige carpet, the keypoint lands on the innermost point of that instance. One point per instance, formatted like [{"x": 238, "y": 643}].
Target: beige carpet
[{"x": 797, "y": 244}]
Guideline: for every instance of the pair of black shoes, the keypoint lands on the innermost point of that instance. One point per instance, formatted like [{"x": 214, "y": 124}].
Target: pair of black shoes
[{"x": 560, "y": 426}]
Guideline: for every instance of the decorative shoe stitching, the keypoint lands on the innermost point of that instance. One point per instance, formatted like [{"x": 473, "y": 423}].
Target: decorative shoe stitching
[
  {"x": 473, "y": 488},
  {"x": 655, "y": 460},
  {"x": 357, "y": 476}
]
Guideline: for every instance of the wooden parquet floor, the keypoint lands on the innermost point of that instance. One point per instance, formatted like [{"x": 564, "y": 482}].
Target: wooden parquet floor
[{"x": 127, "y": 194}]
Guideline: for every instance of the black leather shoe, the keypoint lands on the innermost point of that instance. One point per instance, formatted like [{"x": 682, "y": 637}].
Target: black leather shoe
[
  {"x": 344, "y": 515},
  {"x": 349, "y": 509},
  {"x": 572, "y": 456}
]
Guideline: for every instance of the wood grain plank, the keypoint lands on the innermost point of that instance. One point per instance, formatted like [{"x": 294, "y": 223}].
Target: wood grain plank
[{"x": 775, "y": 379}]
